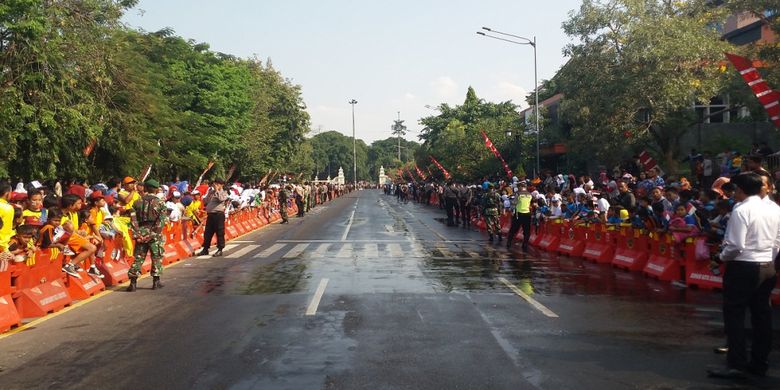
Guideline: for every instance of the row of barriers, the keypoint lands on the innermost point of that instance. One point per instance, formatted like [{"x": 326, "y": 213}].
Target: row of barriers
[
  {"x": 39, "y": 287},
  {"x": 654, "y": 254}
]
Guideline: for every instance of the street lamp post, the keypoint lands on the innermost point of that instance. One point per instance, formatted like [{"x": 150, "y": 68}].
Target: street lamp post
[
  {"x": 354, "y": 143},
  {"x": 532, "y": 43}
]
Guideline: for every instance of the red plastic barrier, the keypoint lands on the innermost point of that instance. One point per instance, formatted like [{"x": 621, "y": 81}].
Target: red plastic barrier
[
  {"x": 552, "y": 237},
  {"x": 632, "y": 250},
  {"x": 574, "y": 240},
  {"x": 39, "y": 290},
  {"x": 665, "y": 261},
  {"x": 505, "y": 222},
  {"x": 697, "y": 272},
  {"x": 113, "y": 264},
  {"x": 601, "y": 244},
  {"x": 85, "y": 287},
  {"x": 9, "y": 316}
]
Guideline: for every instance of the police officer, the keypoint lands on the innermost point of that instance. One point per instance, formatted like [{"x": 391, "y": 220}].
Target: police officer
[
  {"x": 148, "y": 219},
  {"x": 464, "y": 200},
  {"x": 490, "y": 206},
  {"x": 450, "y": 202},
  {"x": 216, "y": 201},
  {"x": 521, "y": 216}
]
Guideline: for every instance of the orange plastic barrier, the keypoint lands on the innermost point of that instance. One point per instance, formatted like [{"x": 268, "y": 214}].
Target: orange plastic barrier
[
  {"x": 697, "y": 271},
  {"x": 666, "y": 258},
  {"x": 601, "y": 244},
  {"x": 9, "y": 316},
  {"x": 573, "y": 240},
  {"x": 632, "y": 249},
  {"x": 113, "y": 264},
  {"x": 40, "y": 289}
]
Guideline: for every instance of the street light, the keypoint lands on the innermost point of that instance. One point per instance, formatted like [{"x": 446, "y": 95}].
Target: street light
[
  {"x": 354, "y": 143},
  {"x": 531, "y": 42}
]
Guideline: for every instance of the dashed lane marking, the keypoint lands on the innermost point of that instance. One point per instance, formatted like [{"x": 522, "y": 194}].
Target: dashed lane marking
[
  {"x": 242, "y": 251},
  {"x": 533, "y": 302},
  {"x": 315, "y": 301},
  {"x": 227, "y": 248},
  {"x": 271, "y": 250},
  {"x": 346, "y": 251}
]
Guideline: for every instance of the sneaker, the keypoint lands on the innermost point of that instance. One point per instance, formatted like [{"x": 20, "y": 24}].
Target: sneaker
[
  {"x": 77, "y": 267},
  {"x": 68, "y": 252},
  {"x": 94, "y": 271},
  {"x": 71, "y": 270},
  {"x": 204, "y": 252}
]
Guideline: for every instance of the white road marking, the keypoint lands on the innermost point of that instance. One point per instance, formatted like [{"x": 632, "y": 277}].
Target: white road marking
[
  {"x": 321, "y": 251},
  {"x": 225, "y": 249},
  {"x": 315, "y": 301},
  {"x": 242, "y": 242},
  {"x": 296, "y": 251},
  {"x": 371, "y": 251},
  {"x": 394, "y": 250},
  {"x": 417, "y": 251},
  {"x": 273, "y": 249},
  {"x": 346, "y": 251},
  {"x": 446, "y": 253},
  {"x": 474, "y": 254},
  {"x": 337, "y": 241},
  {"x": 349, "y": 226},
  {"x": 533, "y": 302},
  {"x": 242, "y": 251}
]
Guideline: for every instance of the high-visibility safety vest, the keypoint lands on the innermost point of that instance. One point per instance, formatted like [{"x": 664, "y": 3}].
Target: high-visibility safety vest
[{"x": 523, "y": 203}]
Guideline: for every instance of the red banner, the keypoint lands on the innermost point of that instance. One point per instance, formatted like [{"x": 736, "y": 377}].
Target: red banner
[
  {"x": 493, "y": 149},
  {"x": 419, "y": 172},
  {"x": 769, "y": 99},
  {"x": 444, "y": 171}
]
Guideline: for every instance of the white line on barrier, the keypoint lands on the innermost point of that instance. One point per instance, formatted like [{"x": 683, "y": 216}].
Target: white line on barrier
[
  {"x": 315, "y": 301},
  {"x": 533, "y": 302}
]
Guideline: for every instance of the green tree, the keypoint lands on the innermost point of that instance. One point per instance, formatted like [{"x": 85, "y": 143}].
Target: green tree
[{"x": 635, "y": 72}]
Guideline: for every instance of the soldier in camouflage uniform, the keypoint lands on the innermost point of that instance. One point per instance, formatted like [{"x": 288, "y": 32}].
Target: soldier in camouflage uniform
[
  {"x": 491, "y": 203},
  {"x": 283, "y": 196},
  {"x": 150, "y": 218}
]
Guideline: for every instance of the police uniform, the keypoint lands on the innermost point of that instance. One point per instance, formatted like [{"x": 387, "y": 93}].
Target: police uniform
[
  {"x": 521, "y": 217},
  {"x": 490, "y": 206},
  {"x": 150, "y": 218}
]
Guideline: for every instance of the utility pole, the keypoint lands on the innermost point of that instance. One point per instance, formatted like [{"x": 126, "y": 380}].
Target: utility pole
[
  {"x": 354, "y": 143},
  {"x": 399, "y": 130}
]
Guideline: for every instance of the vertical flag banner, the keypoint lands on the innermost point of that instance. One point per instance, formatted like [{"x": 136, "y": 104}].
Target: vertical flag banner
[
  {"x": 492, "y": 148},
  {"x": 769, "y": 99},
  {"x": 648, "y": 162},
  {"x": 444, "y": 171},
  {"x": 419, "y": 172}
]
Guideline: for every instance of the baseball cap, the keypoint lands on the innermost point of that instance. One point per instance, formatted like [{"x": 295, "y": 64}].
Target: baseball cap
[
  {"x": 176, "y": 194},
  {"x": 128, "y": 180},
  {"x": 95, "y": 195}
]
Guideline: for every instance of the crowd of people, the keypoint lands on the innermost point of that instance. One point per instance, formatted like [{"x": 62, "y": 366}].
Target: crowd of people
[
  {"x": 730, "y": 200},
  {"x": 74, "y": 217}
]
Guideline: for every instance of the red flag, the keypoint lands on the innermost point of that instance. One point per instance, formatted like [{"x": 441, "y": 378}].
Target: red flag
[
  {"x": 146, "y": 173},
  {"x": 493, "y": 149},
  {"x": 444, "y": 171},
  {"x": 769, "y": 99},
  {"x": 648, "y": 162},
  {"x": 89, "y": 148},
  {"x": 419, "y": 172},
  {"x": 230, "y": 172}
]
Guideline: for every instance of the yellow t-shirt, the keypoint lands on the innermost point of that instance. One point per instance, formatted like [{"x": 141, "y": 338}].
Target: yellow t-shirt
[
  {"x": 7, "y": 216},
  {"x": 97, "y": 215},
  {"x": 192, "y": 209},
  {"x": 73, "y": 218},
  {"x": 132, "y": 199}
]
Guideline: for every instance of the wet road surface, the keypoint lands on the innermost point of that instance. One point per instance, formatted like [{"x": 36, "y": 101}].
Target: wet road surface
[{"x": 369, "y": 293}]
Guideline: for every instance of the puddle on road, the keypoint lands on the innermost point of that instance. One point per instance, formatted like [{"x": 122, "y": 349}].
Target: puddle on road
[{"x": 281, "y": 277}]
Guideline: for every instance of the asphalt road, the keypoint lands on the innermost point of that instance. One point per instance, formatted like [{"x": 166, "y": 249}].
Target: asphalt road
[{"x": 368, "y": 293}]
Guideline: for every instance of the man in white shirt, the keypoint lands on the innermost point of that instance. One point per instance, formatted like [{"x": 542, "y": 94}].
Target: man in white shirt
[{"x": 749, "y": 248}]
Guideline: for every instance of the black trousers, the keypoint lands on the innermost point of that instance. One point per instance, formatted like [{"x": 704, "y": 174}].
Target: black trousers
[
  {"x": 518, "y": 221},
  {"x": 465, "y": 216},
  {"x": 748, "y": 285},
  {"x": 450, "y": 205},
  {"x": 215, "y": 223}
]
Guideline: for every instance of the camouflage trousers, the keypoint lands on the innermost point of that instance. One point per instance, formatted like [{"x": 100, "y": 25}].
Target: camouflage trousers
[
  {"x": 283, "y": 211},
  {"x": 153, "y": 246},
  {"x": 492, "y": 224}
]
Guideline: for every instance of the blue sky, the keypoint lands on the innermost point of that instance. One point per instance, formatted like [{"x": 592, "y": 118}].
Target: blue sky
[{"x": 388, "y": 55}]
